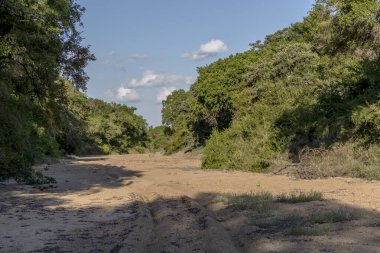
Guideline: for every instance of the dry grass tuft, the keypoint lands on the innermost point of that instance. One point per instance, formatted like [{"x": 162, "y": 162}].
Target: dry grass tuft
[{"x": 341, "y": 160}]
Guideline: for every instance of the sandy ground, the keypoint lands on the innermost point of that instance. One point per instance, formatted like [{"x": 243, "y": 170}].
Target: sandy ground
[{"x": 153, "y": 203}]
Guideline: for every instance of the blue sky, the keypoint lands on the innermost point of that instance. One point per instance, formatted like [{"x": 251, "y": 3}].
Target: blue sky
[{"x": 145, "y": 49}]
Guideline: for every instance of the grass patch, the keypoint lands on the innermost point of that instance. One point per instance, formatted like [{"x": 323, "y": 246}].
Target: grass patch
[
  {"x": 264, "y": 201},
  {"x": 278, "y": 222},
  {"x": 293, "y": 225},
  {"x": 320, "y": 224},
  {"x": 315, "y": 230},
  {"x": 261, "y": 202},
  {"x": 334, "y": 216},
  {"x": 299, "y": 197},
  {"x": 272, "y": 217}
]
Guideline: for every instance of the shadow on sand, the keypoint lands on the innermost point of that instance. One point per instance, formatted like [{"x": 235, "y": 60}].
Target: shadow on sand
[
  {"x": 182, "y": 224},
  {"x": 90, "y": 175}
]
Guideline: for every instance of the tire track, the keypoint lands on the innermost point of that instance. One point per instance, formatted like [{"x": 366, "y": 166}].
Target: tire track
[{"x": 183, "y": 225}]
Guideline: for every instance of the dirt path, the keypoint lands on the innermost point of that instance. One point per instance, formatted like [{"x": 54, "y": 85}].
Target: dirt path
[{"x": 153, "y": 203}]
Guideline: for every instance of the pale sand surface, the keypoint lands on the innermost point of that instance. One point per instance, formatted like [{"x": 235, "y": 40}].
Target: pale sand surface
[{"x": 155, "y": 203}]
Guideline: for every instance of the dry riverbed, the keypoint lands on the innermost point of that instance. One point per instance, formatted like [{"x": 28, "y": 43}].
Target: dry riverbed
[{"x": 154, "y": 203}]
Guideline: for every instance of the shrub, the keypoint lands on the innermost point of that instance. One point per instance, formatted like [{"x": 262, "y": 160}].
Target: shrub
[{"x": 244, "y": 146}]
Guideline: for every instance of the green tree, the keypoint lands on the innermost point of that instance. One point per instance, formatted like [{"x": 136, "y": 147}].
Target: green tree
[
  {"x": 213, "y": 104},
  {"x": 176, "y": 116}
]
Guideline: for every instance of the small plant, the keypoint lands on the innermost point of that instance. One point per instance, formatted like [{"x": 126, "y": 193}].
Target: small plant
[
  {"x": 299, "y": 197},
  {"x": 261, "y": 202},
  {"x": 106, "y": 149},
  {"x": 258, "y": 184}
]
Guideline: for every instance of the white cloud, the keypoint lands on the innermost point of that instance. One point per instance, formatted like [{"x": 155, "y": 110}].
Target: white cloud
[
  {"x": 127, "y": 92},
  {"x": 150, "y": 79},
  {"x": 163, "y": 93},
  {"x": 122, "y": 94},
  {"x": 211, "y": 48}
]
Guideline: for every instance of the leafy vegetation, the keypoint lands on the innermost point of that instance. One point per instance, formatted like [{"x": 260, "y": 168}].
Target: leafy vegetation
[
  {"x": 309, "y": 89},
  {"x": 43, "y": 111}
]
